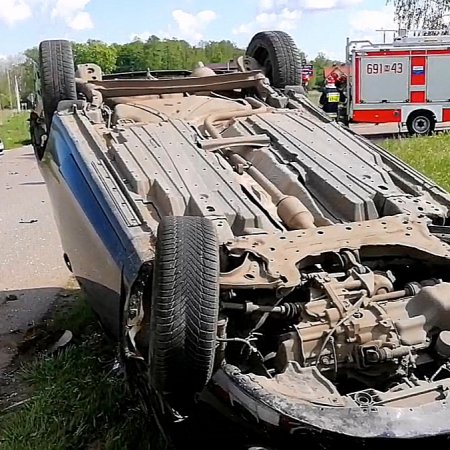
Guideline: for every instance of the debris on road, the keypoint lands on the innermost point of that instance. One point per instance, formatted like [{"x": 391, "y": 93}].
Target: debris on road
[{"x": 65, "y": 339}]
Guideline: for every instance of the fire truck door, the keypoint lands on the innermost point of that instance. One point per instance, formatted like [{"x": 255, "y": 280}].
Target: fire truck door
[
  {"x": 385, "y": 79},
  {"x": 438, "y": 80}
]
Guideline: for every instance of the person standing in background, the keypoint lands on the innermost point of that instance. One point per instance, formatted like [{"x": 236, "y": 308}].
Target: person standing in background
[{"x": 331, "y": 97}]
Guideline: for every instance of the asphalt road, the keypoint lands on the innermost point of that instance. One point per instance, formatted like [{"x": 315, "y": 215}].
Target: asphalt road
[{"x": 32, "y": 271}]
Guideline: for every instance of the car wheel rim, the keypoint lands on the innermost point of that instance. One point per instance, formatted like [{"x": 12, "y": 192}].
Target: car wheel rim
[{"x": 421, "y": 125}]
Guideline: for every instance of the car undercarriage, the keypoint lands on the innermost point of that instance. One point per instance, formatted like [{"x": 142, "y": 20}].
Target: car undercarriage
[{"x": 248, "y": 244}]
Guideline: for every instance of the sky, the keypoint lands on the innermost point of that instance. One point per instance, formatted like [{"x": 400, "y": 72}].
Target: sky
[{"x": 315, "y": 25}]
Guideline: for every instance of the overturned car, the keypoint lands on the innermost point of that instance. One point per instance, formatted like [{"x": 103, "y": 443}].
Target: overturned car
[{"x": 241, "y": 246}]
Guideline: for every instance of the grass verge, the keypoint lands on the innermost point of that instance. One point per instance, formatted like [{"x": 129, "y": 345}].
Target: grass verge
[
  {"x": 77, "y": 401},
  {"x": 314, "y": 96},
  {"x": 429, "y": 155},
  {"x": 4, "y": 114},
  {"x": 14, "y": 131}
]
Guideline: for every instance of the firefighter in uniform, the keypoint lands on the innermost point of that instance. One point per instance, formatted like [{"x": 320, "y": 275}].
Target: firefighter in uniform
[{"x": 331, "y": 98}]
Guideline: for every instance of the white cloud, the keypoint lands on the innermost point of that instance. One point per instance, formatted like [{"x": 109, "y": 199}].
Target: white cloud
[
  {"x": 285, "y": 20},
  {"x": 266, "y": 4},
  {"x": 13, "y": 11},
  {"x": 73, "y": 13},
  {"x": 81, "y": 21},
  {"x": 188, "y": 26},
  {"x": 364, "y": 23},
  {"x": 64, "y": 8},
  {"x": 307, "y": 5},
  {"x": 191, "y": 26},
  {"x": 330, "y": 4},
  {"x": 286, "y": 14}
]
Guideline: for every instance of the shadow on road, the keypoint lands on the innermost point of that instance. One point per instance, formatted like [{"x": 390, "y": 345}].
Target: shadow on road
[
  {"x": 28, "y": 155},
  {"x": 33, "y": 183},
  {"x": 22, "y": 312},
  {"x": 22, "y": 335},
  {"x": 21, "y": 309}
]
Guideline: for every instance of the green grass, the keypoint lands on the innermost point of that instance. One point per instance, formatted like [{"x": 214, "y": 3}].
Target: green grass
[
  {"x": 14, "y": 131},
  {"x": 429, "y": 155},
  {"x": 76, "y": 401},
  {"x": 314, "y": 96},
  {"x": 4, "y": 114}
]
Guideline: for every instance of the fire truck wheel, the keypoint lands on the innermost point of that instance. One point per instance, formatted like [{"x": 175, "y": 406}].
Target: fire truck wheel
[
  {"x": 279, "y": 57},
  {"x": 421, "y": 123}
]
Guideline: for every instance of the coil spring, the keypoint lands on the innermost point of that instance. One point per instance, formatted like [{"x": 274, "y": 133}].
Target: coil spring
[{"x": 291, "y": 310}]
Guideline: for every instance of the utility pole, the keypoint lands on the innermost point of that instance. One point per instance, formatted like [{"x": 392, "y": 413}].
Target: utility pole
[
  {"x": 16, "y": 89},
  {"x": 9, "y": 88}
]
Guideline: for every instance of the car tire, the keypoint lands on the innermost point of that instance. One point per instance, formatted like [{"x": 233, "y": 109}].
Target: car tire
[
  {"x": 280, "y": 58},
  {"x": 57, "y": 72},
  {"x": 184, "y": 306},
  {"x": 421, "y": 123}
]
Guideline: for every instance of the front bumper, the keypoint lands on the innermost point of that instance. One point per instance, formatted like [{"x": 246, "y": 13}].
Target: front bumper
[{"x": 281, "y": 413}]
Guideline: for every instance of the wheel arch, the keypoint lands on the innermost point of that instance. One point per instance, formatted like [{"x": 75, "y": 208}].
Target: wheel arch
[
  {"x": 431, "y": 113},
  {"x": 410, "y": 111}
]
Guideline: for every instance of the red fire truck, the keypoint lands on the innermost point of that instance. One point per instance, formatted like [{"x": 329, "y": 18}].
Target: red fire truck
[{"x": 406, "y": 81}]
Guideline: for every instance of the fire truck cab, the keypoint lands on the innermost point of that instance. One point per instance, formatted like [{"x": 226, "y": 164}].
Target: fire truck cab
[{"x": 406, "y": 81}]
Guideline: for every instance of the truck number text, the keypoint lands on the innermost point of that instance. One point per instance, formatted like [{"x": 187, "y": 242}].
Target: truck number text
[{"x": 379, "y": 68}]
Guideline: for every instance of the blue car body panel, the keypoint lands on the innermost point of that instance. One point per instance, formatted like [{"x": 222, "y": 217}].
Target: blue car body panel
[{"x": 97, "y": 241}]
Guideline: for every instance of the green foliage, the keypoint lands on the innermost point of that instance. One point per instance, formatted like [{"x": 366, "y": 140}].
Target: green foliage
[
  {"x": 320, "y": 62},
  {"x": 26, "y": 74},
  {"x": 5, "y": 101},
  {"x": 76, "y": 402},
  {"x": 163, "y": 54},
  {"x": 96, "y": 52},
  {"x": 428, "y": 14},
  {"x": 14, "y": 132},
  {"x": 19, "y": 68},
  {"x": 32, "y": 54},
  {"x": 429, "y": 155},
  {"x": 154, "y": 54}
]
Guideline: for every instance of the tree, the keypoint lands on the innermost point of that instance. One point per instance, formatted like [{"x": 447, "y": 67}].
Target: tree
[
  {"x": 425, "y": 14},
  {"x": 20, "y": 68},
  {"x": 157, "y": 54},
  {"x": 131, "y": 57},
  {"x": 320, "y": 62},
  {"x": 32, "y": 54},
  {"x": 96, "y": 52}
]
